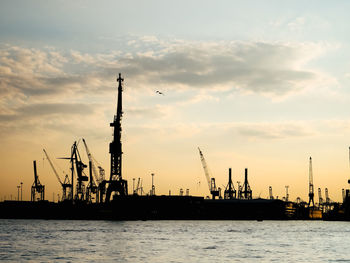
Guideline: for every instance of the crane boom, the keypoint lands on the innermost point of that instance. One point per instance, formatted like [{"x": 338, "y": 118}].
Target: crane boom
[
  {"x": 91, "y": 159},
  {"x": 205, "y": 167},
  {"x": 53, "y": 167}
]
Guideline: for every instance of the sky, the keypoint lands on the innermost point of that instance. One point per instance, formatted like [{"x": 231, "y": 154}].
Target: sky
[{"x": 261, "y": 85}]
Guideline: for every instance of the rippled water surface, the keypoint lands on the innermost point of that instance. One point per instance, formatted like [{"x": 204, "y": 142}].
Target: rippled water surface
[{"x": 174, "y": 241}]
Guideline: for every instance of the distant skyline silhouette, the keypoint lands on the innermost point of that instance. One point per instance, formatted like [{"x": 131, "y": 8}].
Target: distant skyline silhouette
[{"x": 257, "y": 85}]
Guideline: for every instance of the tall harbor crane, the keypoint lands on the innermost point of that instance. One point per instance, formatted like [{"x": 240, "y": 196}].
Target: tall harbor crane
[
  {"x": 37, "y": 187},
  {"x": 116, "y": 182},
  {"x": 66, "y": 185},
  {"x": 247, "y": 191},
  {"x": 99, "y": 190},
  {"x": 311, "y": 185},
  {"x": 211, "y": 181},
  {"x": 230, "y": 191}
]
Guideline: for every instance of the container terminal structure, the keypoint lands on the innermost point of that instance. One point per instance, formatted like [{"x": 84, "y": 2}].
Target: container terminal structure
[{"x": 113, "y": 202}]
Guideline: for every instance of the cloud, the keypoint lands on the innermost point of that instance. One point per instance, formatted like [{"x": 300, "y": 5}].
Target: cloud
[
  {"x": 45, "y": 82},
  {"x": 270, "y": 131},
  {"x": 265, "y": 68}
]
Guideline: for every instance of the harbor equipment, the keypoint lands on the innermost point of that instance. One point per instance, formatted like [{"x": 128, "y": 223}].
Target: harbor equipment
[
  {"x": 211, "y": 181},
  {"x": 240, "y": 190},
  {"x": 287, "y": 194},
  {"x": 311, "y": 185},
  {"x": 116, "y": 182},
  {"x": 66, "y": 185},
  {"x": 230, "y": 191},
  {"x": 91, "y": 188},
  {"x": 153, "y": 190},
  {"x": 247, "y": 192},
  {"x": 97, "y": 188},
  {"x": 270, "y": 193},
  {"x": 320, "y": 199},
  {"x": 37, "y": 187},
  {"x": 78, "y": 166}
]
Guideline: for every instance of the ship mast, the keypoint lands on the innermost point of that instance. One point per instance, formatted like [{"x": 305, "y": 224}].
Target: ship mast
[{"x": 116, "y": 182}]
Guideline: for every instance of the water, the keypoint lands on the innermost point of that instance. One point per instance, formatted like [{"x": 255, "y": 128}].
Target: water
[{"x": 174, "y": 241}]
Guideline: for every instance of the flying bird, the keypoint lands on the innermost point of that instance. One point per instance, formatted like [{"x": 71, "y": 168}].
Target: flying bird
[{"x": 159, "y": 92}]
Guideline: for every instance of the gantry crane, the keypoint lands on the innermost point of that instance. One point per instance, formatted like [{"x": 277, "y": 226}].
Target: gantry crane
[
  {"x": 211, "y": 181},
  {"x": 37, "y": 187},
  {"x": 247, "y": 191},
  {"x": 230, "y": 191},
  {"x": 66, "y": 185},
  {"x": 311, "y": 185},
  {"x": 116, "y": 182}
]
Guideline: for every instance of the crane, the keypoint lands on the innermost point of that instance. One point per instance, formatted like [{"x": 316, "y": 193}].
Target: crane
[
  {"x": 138, "y": 190},
  {"x": 99, "y": 177},
  {"x": 320, "y": 199},
  {"x": 78, "y": 166},
  {"x": 116, "y": 182},
  {"x": 270, "y": 193},
  {"x": 311, "y": 185},
  {"x": 99, "y": 190},
  {"x": 211, "y": 181},
  {"x": 247, "y": 192},
  {"x": 37, "y": 187},
  {"x": 65, "y": 184},
  {"x": 328, "y": 200},
  {"x": 230, "y": 191}
]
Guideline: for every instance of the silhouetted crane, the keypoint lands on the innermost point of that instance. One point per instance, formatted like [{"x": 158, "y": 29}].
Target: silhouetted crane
[
  {"x": 99, "y": 190},
  {"x": 230, "y": 191},
  {"x": 247, "y": 192},
  {"x": 320, "y": 199},
  {"x": 37, "y": 187},
  {"x": 116, "y": 182},
  {"x": 211, "y": 181},
  {"x": 65, "y": 184},
  {"x": 311, "y": 185}
]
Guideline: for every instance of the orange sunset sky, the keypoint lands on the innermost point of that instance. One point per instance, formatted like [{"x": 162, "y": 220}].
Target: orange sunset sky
[{"x": 261, "y": 85}]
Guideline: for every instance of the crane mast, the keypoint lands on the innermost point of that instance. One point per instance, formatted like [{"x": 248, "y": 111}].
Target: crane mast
[
  {"x": 211, "y": 181},
  {"x": 311, "y": 185},
  {"x": 116, "y": 182}
]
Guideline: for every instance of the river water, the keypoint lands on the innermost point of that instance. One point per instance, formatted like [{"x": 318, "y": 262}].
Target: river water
[{"x": 174, "y": 241}]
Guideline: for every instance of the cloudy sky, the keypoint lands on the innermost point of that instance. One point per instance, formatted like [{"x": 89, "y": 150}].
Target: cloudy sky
[{"x": 256, "y": 84}]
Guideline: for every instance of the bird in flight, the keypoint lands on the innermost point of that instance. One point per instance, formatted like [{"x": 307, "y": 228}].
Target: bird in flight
[{"x": 159, "y": 92}]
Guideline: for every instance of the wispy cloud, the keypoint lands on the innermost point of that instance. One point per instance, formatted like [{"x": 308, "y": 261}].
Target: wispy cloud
[{"x": 50, "y": 82}]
